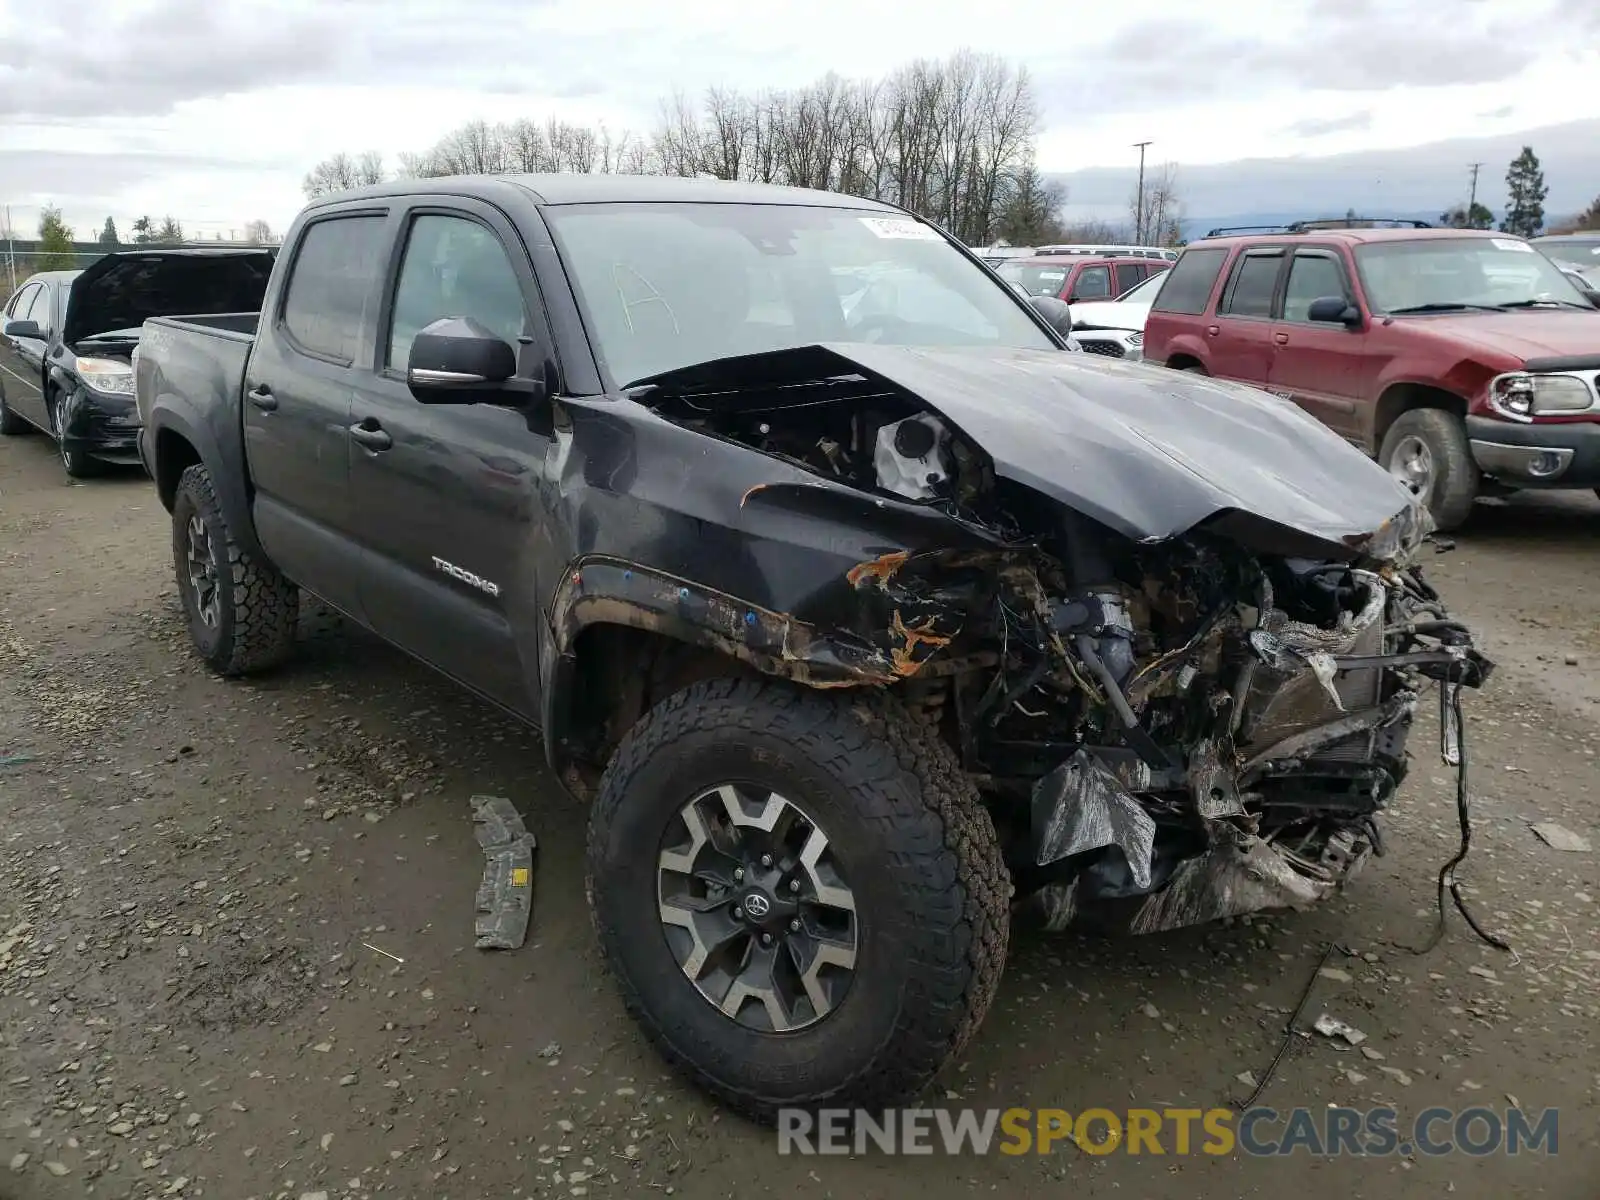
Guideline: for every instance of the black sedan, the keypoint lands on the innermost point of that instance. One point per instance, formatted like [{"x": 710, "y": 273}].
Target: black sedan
[{"x": 67, "y": 339}]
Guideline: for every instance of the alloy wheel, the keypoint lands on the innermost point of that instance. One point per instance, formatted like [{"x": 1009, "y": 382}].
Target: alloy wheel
[
  {"x": 1412, "y": 464},
  {"x": 202, "y": 570},
  {"x": 755, "y": 909}
]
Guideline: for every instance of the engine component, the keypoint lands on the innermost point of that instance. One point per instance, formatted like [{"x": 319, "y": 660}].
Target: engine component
[{"x": 911, "y": 459}]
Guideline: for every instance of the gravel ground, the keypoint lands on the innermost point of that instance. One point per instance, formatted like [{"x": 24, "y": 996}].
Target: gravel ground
[{"x": 207, "y": 891}]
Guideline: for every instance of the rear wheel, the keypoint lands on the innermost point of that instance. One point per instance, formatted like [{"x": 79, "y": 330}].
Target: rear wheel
[
  {"x": 240, "y": 611},
  {"x": 1426, "y": 449},
  {"x": 800, "y": 896}
]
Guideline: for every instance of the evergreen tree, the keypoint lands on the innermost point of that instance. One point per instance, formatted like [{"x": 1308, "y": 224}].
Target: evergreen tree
[
  {"x": 171, "y": 233},
  {"x": 1526, "y": 189},
  {"x": 108, "y": 235},
  {"x": 1463, "y": 217},
  {"x": 55, "y": 242}
]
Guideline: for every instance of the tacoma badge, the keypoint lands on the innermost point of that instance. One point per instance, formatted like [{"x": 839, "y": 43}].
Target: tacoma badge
[{"x": 467, "y": 577}]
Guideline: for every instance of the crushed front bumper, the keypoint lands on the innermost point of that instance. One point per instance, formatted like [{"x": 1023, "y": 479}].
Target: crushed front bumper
[{"x": 102, "y": 425}]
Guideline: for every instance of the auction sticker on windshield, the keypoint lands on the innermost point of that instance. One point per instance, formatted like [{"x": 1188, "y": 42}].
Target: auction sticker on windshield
[
  {"x": 900, "y": 227},
  {"x": 1508, "y": 244}
]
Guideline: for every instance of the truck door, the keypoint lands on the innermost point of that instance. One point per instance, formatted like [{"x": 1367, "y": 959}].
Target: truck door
[
  {"x": 22, "y": 358},
  {"x": 297, "y": 390},
  {"x": 1241, "y": 331},
  {"x": 1321, "y": 366},
  {"x": 445, "y": 494}
]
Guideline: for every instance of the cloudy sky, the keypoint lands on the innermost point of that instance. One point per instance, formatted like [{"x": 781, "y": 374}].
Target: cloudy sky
[{"x": 212, "y": 110}]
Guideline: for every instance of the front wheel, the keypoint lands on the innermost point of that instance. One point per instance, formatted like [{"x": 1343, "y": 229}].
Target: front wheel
[
  {"x": 240, "y": 611},
  {"x": 800, "y": 896},
  {"x": 77, "y": 464},
  {"x": 1426, "y": 449}
]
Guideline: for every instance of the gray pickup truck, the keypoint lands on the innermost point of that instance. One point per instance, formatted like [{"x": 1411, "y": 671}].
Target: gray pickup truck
[{"x": 866, "y": 615}]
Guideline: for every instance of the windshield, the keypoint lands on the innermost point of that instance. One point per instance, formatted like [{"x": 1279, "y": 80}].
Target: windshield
[
  {"x": 1440, "y": 274},
  {"x": 1583, "y": 253},
  {"x": 670, "y": 285},
  {"x": 1034, "y": 279}
]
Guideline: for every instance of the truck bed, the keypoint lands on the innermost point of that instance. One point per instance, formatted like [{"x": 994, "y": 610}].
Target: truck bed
[{"x": 226, "y": 324}]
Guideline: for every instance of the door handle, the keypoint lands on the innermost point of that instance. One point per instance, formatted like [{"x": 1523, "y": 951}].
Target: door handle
[
  {"x": 1213, "y": 330},
  {"x": 369, "y": 434},
  {"x": 1281, "y": 338},
  {"x": 261, "y": 396}
]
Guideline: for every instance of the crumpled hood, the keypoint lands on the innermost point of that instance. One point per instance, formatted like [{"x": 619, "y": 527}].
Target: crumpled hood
[
  {"x": 1148, "y": 452},
  {"x": 122, "y": 291}
]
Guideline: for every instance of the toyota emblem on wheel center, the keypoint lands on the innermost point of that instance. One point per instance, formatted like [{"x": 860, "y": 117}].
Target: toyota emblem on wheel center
[{"x": 757, "y": 905}]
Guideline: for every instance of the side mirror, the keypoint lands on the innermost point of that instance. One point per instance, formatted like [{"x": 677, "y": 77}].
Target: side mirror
[
  {"x": 1058, "y": 313},
  {"x": 456, "y": 360},
  {"x": 1334, "y": 310},
  {"x": 22, "y": 329}
]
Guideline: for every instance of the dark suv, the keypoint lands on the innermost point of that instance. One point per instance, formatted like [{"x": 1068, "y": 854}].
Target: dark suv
[{"x": 1464, "y": 360}]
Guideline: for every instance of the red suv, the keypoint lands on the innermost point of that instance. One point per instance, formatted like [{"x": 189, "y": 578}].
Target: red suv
[
  {"x": 1464, "y": 360},
  {"x": 1078, "y": 277}
]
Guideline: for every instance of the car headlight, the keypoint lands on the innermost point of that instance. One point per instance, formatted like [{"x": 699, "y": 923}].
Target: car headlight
[
  {"x": 1521, "y": 395},
  {"x": 107, "y": 375}
]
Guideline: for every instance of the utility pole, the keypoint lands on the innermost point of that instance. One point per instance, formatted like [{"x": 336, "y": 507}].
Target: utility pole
[
  {"x": 11, "y": 250},
  {"x": 1472, "y": 199},
  {"x": 1138, "y": 203}
]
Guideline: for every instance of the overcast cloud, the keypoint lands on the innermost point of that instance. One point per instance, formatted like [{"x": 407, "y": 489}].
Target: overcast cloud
[{"x": 212, "y": 111}]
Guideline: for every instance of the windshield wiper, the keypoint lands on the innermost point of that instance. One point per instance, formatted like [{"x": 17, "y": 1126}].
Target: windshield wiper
[
  {"x": 1441, "y": 307},
  {"x": 1543, "y": 304}
]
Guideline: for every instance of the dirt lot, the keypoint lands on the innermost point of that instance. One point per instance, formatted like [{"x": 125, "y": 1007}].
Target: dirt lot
[{"x": 202, "y": 885}]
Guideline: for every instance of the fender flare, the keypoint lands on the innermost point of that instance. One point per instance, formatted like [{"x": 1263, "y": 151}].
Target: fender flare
[
  {"x": 174, "y": 414},
  {"x": 601, "y": 590}
]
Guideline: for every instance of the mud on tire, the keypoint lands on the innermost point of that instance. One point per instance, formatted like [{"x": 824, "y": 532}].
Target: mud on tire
[
  {"x": 912, "y": 841},
  {"x": 252, "y": 608}
]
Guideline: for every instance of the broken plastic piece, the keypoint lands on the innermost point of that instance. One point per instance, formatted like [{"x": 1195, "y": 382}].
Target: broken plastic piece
[
  {"x": 1329, "y": 1026},
  {"x": 505, "y": 897}
]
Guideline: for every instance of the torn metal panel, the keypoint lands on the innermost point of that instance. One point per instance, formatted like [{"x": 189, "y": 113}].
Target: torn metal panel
[
  {"x": 505, "y": 897},
  {"x": 1082, "y": 805}
]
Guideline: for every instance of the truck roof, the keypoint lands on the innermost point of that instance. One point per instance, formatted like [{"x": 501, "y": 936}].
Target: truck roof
[{"x": 613, "y": 189}]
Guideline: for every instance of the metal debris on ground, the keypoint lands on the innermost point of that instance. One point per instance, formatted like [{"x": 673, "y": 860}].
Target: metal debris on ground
[
  {"x": 15, "y": 760},
  {"x": 505, "y": 898},
  {"x": 1329, "y": 1026},
  {"x": 1559, "y": 837}
]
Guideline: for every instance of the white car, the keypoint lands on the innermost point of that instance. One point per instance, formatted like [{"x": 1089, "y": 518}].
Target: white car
[{"x": 1115, "y": 328}]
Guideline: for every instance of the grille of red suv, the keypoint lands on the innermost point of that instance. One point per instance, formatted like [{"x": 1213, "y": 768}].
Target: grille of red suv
[{"x": 1109, "y": 349}]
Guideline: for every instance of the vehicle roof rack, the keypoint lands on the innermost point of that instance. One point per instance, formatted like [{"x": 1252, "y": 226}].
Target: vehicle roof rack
[
  {"x": 1321, "y": 223},
  {"x": 1358, "y": 223}
]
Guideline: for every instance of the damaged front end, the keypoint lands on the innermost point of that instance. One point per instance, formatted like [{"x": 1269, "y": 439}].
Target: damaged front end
[{"x": 1183, "y": 683}]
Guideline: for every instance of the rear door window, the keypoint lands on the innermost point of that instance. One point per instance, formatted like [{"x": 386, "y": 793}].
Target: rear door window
[
  {"x": 335, "y": 270},
  {"x": 1250, "y": 289},
  {"x": 1129, "y": 276},
  {"x": 1187, "y": 290}
]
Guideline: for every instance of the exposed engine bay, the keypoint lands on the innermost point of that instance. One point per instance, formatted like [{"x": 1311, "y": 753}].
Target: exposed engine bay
[{"x": 1167, "y": 728}]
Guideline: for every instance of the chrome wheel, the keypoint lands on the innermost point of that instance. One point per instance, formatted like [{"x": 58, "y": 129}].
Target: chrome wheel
[
  {"x": 202, "y": 565},
  {"x": 754, "y": 909},
  {"x": 1412, "y": 464}
]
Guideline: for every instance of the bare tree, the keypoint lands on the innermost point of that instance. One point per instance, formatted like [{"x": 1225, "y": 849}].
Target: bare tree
[
  {"x": 1160, "y": 208},
  {"x": 341, "y": 173},
  {"x": 948, "y": 139},
  {"x": 259, "y": 233}
]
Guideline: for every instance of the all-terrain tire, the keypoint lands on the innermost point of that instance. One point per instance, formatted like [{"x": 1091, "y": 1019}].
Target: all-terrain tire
[
  {"x": 11, "y": 424},
  {"x": 256, "y": 607},
  {"x": 913, "y": 842},
  {"x": 1455, "y": 476}
]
